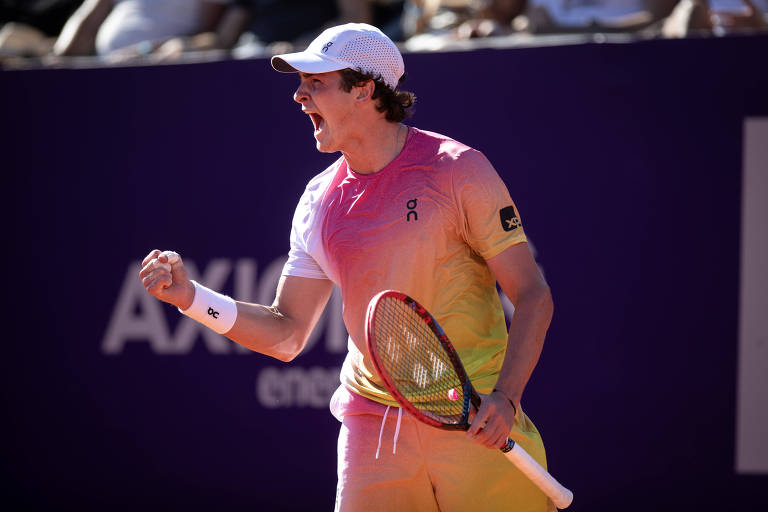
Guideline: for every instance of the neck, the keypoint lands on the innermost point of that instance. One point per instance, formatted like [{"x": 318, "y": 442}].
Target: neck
[{"x": 376, "y": 148}]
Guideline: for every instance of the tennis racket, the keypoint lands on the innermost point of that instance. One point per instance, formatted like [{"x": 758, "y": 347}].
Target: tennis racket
[{"x": 423, "y": 373}]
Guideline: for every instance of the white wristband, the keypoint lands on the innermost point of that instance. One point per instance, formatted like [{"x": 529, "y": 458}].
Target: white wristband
[{"x": 212, "y": 309}]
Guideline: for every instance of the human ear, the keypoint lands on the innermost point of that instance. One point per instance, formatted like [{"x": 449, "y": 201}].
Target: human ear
[{"x": 365, "y": 91}]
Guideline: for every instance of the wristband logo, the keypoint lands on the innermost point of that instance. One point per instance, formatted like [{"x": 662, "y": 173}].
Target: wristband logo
[{"x": 213, "y": 313}]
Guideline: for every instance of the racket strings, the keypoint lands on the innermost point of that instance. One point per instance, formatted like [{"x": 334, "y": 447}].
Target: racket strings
[{"x": 417, "y": 362}]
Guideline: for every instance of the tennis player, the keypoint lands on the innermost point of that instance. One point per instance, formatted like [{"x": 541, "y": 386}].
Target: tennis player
[{"x": 418, "y": 212}]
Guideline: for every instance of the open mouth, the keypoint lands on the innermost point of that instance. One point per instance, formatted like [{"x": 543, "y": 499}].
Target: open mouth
[{"x": 317, "y": 121}]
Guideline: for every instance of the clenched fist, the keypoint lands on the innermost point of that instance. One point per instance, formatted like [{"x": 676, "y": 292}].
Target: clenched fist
[{"x": 164, "y": 277}]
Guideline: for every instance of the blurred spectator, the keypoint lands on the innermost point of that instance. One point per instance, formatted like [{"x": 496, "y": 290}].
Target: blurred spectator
[
  {"x": 687, "y": 17},
  {"x": 564, "y": 16},
  {"x": 715, "y": 16},
  {"x": 434, "y": 17},
  {"x": 491, "y": 18},
  {"x": 279, "y": 26},
  {"x": 284, "y": 24},
  {"x": 736, "y": 15},
  {"x": 670, "y": 18},
  {"x": 430, "y": 24},
  {"x": 384, "y": 14},
  {"x": 29, "y": 28},
  {"x": 229, "y": 28},
  {"x": 123, "y": 29},
  {"x": 167, "y": 29},
  {"x": 462, "y": 19}
]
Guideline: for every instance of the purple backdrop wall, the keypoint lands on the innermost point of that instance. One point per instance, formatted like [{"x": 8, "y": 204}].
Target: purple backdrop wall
[{"x": 624, "y": 160}]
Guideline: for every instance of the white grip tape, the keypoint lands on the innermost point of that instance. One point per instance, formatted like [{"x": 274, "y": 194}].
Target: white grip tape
[
  {"x": 212, "y": 309},
  {"x": 559, "y": 495}
]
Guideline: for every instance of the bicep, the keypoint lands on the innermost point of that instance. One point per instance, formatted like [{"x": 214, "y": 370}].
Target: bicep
[{"x": 516, "y": 272}]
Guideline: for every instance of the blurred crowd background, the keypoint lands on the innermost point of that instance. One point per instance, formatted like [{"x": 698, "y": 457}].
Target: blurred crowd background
[{"x": 64, "y": 33}]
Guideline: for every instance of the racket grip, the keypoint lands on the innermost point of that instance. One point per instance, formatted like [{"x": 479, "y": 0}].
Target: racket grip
[{"x": 559, "y": 495}]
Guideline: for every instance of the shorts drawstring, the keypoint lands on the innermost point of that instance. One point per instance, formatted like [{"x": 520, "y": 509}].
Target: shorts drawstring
[
  {"x": 397, "y": 430},
  {"x": 381, "y": 431}
]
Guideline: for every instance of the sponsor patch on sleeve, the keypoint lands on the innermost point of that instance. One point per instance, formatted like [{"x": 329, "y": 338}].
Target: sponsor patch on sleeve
[{"x": 509, "y": 218}]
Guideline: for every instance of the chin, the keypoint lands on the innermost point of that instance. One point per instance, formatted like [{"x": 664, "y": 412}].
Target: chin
[{"x": 324, "y": 148}]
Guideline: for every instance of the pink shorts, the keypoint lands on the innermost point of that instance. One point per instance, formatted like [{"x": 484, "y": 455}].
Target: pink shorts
[{"x": 422, "y": 468}]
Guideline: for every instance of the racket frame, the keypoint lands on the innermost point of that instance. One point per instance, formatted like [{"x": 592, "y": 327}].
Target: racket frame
[{"x": 470, "y": 396}]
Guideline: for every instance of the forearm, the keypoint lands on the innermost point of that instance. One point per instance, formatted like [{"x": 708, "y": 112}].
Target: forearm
[
  {"x": 282, "y": 329},
  {"x": 527, "y": 330},
  {"x": 267, "y": 330},
  {"x": 78, "y": 35}
]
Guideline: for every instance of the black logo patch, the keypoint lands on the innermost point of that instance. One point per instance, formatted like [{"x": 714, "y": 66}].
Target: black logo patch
[
  {"x": 509, "y": 218},
  {"x": 327, "y": 46}
]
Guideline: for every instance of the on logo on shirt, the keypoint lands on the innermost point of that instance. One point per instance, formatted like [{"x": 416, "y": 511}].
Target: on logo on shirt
[{"x": 411, "y": 204}]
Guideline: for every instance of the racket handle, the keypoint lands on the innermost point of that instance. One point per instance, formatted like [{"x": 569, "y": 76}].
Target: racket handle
[{"x": 559, "y": 495}]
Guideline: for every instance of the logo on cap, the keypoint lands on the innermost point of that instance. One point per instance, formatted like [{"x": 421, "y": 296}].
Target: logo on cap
[{"x": 327, "y": 45}]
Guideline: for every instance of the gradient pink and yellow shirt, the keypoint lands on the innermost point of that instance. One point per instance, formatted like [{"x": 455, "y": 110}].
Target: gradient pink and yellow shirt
[{"x": 423, "y": 225}]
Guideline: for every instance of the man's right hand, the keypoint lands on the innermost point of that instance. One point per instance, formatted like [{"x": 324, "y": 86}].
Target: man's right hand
[{"x": 164, "y": 277}]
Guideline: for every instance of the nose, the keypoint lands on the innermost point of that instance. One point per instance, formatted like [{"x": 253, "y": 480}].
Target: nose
[{"x": 300, "y": 96}]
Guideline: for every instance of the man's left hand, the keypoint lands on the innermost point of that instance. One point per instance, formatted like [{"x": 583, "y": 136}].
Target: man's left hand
[{"x": 493, "y": 421}]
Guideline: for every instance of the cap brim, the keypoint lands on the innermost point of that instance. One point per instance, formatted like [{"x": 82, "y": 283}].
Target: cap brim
[{"x": 305, "y": 62}]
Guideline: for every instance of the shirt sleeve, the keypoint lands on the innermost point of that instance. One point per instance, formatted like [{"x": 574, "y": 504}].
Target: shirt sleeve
[
  {"x": 489, "y": 220},
  {"x": 300, "y": 262}
]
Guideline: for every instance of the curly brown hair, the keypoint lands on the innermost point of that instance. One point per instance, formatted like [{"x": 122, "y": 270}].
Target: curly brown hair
[{"x": 394, "y": 103}]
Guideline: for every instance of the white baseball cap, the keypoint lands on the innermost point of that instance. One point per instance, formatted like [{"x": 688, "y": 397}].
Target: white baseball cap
[{"x": 357, "y": 46}]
